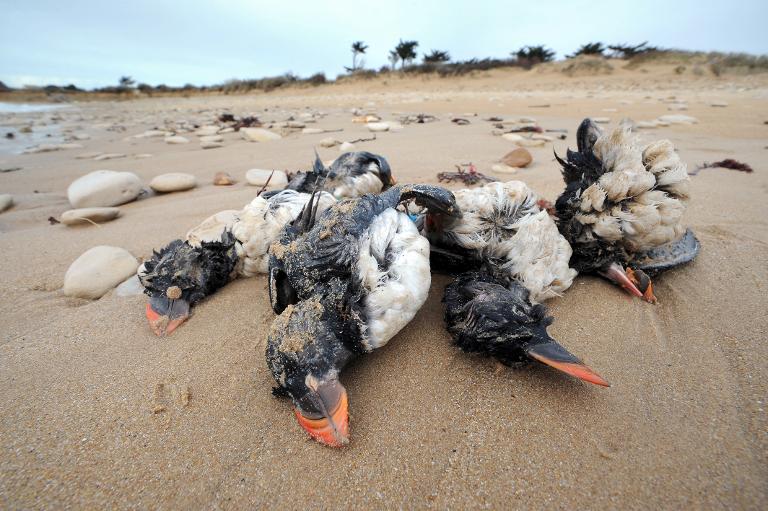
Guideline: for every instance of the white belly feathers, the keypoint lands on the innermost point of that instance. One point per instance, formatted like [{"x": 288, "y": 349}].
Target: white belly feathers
[{"x": 393, "y": 268}]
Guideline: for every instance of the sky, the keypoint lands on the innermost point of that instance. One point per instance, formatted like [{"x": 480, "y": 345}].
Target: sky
[{"x": 93, "y": 43}]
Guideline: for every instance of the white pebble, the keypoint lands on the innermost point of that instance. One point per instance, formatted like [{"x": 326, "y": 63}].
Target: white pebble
[{"x": 98, "y": 270}]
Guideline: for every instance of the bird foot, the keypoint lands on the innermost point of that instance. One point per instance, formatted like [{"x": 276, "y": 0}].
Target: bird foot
[{"x": 643, "y": 282}]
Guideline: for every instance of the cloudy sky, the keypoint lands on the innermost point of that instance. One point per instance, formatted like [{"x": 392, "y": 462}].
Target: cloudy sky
[{"x": 92, "y": 43}]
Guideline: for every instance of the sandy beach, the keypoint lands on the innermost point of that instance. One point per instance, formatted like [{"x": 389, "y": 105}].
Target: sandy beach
[{"x": 98, "y": 412}]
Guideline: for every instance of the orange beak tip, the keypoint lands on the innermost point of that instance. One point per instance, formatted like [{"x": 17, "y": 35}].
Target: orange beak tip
[{"x": 333, "y": 432}]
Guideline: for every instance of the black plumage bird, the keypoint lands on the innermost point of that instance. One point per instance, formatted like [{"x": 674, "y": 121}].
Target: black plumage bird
[
  {"x": 622, "y": 208},
  {"x": 490, "y": 316},
  {"x": 351, "y": 175},
  {"x": 343, "y": 285}
]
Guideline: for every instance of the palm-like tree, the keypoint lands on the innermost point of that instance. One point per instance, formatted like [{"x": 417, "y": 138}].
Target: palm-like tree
[
  {"x": 126, "y": 82},
  {"x": 406, "y": 52},
  {"x": 393, "y": 58},
  {"x": 358, "y": 48},
  {"x": 436, "y": 57}
]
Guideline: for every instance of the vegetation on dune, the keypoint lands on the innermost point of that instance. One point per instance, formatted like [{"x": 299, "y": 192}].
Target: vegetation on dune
[
  {"x": 595, "y": 49},
  {"x": 529, "y": 56},
  {"x": 358, "y": 48},
  {"x": 437, "y": 57},
  {"x": 405, "y": 52}
]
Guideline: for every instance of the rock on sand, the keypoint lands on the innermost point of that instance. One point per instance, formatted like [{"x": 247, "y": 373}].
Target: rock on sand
[
  {"x": 83, "y": 215},
  {"x": 98, "y": 270},
  {"x": 377, "y": 126},
  {"x": 520, "y": 157},
  {"x": 259, "y": 135},
  {"x": 173, "y": 182},
  {"x": 6, "y": 201},
  {"x": 258, "y": 177},
  {"x": 176, "y": 139},
  {"x": 223, "y": 179},
  {"x": 104, "y": 188}
]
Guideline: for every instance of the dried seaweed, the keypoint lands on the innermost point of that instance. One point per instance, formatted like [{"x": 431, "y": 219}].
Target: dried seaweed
[
  {"x": 469, "y": 177},
  {"x": 728, "y": 163}
]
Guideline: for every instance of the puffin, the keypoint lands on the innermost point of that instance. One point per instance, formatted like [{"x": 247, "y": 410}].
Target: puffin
[
  {"x": 491, "y": 316},
  {"x": 350, "y": 175},
  {"x": 622, "y": 208},
  {"x": 504, "y": 229},
  {"x": 227, "y": 245},
  {"x": 343, "y": 283}
]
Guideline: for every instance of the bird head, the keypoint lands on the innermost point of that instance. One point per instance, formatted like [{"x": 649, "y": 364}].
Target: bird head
[
  {"x": 180, "y": 275},
  {"x": 305, "y": 356}
]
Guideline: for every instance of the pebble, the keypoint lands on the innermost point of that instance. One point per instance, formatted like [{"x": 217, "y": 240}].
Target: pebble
[
  {"x": 109, "y": 156},
  {"x": 152, "y": 134},
  {"x": 295, "y": 124},
  {"x": 257, "y": 177},
  {"x": 512, "y": 137},
  {"x": 210, "y": 145},
  {"x": 6, "y": 201},
  {"x": 646, "y": 125},
  {"x": 46, "y": 148},
  {"x": 530, "y": 142},
  {"x": 677, "y": 107},
  {"x": 206, "y": 131},
  {"x": 143, "y": 155},
  {"x": 312, "y": 131},
  {"x": 347, "y": 147},
  {"x": 329, "y": 142},
  {"x": 258, "y": 135},
  {"x": 130, "y": 287},
  {"x": 519, "y": 157},
  {"x": 601, "y": 120},
  {"x": 173, "y": 182},
  {"x": 721, "y": 104},
  {"x": 541, "y": 136},
  {"x": 104, "y": 188},
  {"x": 228, "y": 129},
  {"x": 503, "y": 169},
  {"x": 223, "y": 179},
  {"x": 98, "y": 270},
  {"x": 677, "y": 119},
  {"x": 377, "y": 126},
  {"x": 81, "y": 136},
  {"x": 82, "y": 215},
  {"x": 176, "y": 139}
]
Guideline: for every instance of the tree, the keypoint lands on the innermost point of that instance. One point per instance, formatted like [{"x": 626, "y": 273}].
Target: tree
[
  {"x": 627, "y": 51},
  {"x": 596, "y": 49},
  {"x": 436, "y": 57},
  {"x": 126, "y": 82},
  {"x": 358, "y": 48},
  {"x": 393, "y": 58},
  {"x": 406, "y": 52},
  {"x": 529, "y": 56}
]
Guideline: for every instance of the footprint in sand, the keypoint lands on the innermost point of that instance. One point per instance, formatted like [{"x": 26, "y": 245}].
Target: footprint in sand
[{"x": 168, "y": 399}]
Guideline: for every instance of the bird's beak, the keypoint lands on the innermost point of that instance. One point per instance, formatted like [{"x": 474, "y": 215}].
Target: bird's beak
[
  {"x": 165, "y": 315},
  {"x": 616, "y": 274},
  {"x": 392, "y": 181},
  {"x": 331, "y": 427},
  {"x": 554, "y": 355}
]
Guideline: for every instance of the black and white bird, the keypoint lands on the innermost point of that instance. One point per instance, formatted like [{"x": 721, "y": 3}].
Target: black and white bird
[
  {"x": 503, "y": 227},
  {"x": 344, "y": 283},
  {"x": 494, "y": 317},
  {"x": 350, "y": 175},
  {"x": 622, "y": 208},
  {"x": 227, "y": 245}
]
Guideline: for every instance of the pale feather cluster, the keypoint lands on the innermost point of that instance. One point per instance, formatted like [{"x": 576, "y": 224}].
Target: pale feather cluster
[
  {"x": 647, "y": 190},
  {"x": 393, "y": 268},
  {"x": 503, "y": 221},
  {"x": 256, "y": 226},
  {"x": 357, "y": 186}
]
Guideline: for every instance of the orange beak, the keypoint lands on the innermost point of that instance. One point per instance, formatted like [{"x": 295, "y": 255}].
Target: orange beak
[
  {"x": 554, "y": 355},
  {"x": 333, "y": 429},
  {"x": 162, "y": 324},
  {"x": 616, "y": 274}
]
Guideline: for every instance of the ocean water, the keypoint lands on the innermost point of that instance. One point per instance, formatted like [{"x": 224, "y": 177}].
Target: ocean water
[
  {"x": 49, "y": 134},
  {"x": 10, "y": 108}
]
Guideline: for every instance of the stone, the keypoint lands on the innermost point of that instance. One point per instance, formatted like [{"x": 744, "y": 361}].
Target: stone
[
  {"x": 519, "y": 157},
  {"x": 143, "y": 155},
  {"x": 677, "y": 119},
  {"x": 97, "y": 271},
  {"x": 81, "y": 136},
  {"x": 104, "y": 188},
  {"x": 377, "y": 126},
  {"x": 530, "y": 142},
  {"x": 646, "y": 125},
  {"x": 259, "y": 135},
  {"x": 205, "y": 131},
  {"x": 542, "y": 136},
  {"x": 210, "y": 145},
  {"x": 512, "y": 137},
  {"x": 223, "y": 179},
  {"x": 295, "y": 125},
  {"x": 503, "y": 169},
  {"x": 347, "y": 147},
  {"x": 312, "y": 131},
  {"x": 83, "y": 215},
  {"x": 152, "y": 134},
  {"x": 258, "y": 177},
  {"x": 721, "y": 104},
  {"x": 173, "y": 182},
  {"x": 6, "y": 201},
  {"x": 329, "y": 142},
  {"x": 176, "y": 139},
  {"x": 212, "y": 138},
  {"x": 677, "y": 107},
  {"x": 108, "y": 156},
  {"x": 130, "y": 287},
  {"x": 601, "y": 120}
]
